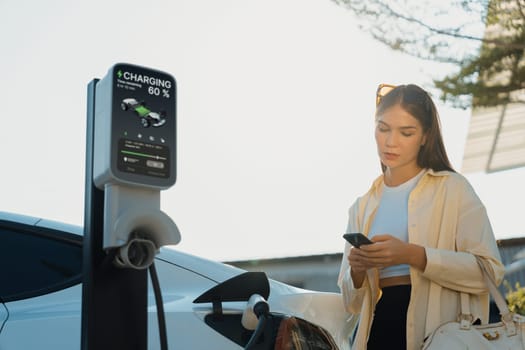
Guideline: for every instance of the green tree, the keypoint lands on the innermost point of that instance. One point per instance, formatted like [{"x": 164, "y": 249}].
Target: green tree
[
  {"x": 484, "y": 39},
  {"x": 515, "y": 298}
]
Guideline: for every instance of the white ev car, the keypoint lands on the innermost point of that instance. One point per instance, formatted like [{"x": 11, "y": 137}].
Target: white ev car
[{"x": 41, "y": 295}]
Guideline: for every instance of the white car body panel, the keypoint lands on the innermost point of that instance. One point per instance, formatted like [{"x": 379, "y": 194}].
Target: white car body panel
[{"x": 3, "y": 316}]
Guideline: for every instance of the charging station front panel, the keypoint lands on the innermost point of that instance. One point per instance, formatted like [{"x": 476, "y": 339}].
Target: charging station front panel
[{"x": 139, "y": 113}]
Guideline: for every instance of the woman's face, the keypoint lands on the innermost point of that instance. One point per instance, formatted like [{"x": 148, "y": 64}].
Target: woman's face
[{"x": 399, "y": 137}]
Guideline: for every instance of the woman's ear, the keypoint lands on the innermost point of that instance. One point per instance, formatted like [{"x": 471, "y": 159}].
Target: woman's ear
[{"x": 424, "y": 139}]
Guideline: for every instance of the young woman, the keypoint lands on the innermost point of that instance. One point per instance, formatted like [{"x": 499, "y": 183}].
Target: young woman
[{"x": 427, "y": 224}]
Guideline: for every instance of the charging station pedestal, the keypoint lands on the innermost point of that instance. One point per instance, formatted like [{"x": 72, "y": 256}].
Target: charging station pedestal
[{"x": 130, "y": 158}]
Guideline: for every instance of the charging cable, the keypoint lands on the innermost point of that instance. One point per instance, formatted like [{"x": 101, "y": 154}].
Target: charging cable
[{"x": 160, "y": 307}]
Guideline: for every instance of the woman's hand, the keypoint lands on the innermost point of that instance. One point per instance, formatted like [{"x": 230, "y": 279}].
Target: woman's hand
[
  {"x": 358, "y": 267},
  {"x": 387, "y": 250}
]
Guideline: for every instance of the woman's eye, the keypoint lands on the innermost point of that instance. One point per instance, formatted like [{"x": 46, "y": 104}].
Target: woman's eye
[
  {"x": 407, "y": 134},
  {"x": 382, "y": 129}
]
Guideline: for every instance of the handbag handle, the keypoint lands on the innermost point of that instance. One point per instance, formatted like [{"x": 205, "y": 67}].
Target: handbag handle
[{"x": 506, "y": 316}]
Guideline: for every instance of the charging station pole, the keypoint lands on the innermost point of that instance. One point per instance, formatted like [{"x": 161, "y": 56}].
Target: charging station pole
[{"x": 123, "y": 224}]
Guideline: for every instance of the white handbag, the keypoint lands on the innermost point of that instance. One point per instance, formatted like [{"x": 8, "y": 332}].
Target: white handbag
[{"x": 509, "y": 334}]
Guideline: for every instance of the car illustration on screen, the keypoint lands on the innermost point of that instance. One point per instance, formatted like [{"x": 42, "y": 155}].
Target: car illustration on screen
[{"x": 147, "y": 117}]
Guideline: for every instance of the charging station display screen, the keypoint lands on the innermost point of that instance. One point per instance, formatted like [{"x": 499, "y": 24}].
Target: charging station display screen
[
  {"x": 143, "y": 110},
  {"x": 143, "y": 158}
]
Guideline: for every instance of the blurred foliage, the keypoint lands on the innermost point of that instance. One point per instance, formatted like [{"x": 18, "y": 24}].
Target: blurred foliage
[
  {"x": 484, "y": 40},
  {"x": 516, "y": 298}
]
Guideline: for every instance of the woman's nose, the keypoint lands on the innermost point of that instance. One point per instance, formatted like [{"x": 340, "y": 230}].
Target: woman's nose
[{"x": 391, "y": 139}]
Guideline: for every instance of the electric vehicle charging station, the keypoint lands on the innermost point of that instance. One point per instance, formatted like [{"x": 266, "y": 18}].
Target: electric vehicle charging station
[{"x": 130, "y": 158}]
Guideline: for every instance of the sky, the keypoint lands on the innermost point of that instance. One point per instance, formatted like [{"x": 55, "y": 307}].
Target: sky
[{"x": 274, "y": 116}]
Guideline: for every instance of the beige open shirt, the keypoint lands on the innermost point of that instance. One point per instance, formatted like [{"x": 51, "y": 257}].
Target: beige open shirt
[{"x": 446, "y": 217}]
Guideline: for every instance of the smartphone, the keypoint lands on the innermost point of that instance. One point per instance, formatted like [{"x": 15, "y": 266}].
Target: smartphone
[{"x": 357, "y": 239}]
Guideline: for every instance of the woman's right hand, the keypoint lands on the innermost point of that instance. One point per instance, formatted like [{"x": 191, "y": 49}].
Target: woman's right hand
[{"x": 357, "y": 267}]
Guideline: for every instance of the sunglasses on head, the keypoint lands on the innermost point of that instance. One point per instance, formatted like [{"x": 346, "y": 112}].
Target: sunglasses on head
[{"x": 382, "y": 91}]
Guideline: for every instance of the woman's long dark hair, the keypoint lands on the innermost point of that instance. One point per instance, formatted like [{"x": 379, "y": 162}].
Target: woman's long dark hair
[{"x": 416, "y": 101}]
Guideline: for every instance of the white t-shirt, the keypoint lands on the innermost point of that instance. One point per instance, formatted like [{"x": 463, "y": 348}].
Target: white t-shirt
[{"x": 392, "y": 218}]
